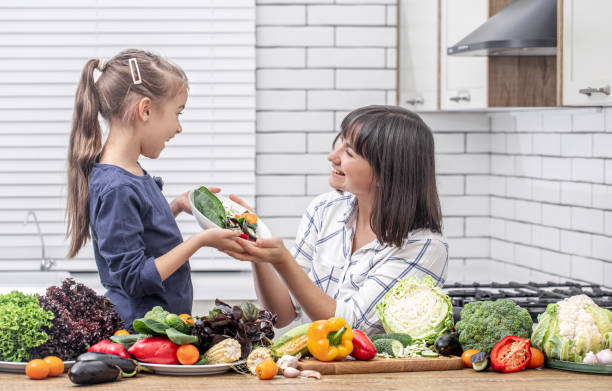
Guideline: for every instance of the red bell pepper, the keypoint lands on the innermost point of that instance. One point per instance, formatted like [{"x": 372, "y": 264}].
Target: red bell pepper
[
  {"x": 363, "y": 348},
  {"x": 155, "y": 350},
  {"x": 511, "y": 354},
  {"x": 106, "y": 346}
]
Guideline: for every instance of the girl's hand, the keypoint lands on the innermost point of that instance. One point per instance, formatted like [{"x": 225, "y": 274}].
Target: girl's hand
[
  {"x": 237, "y": 200},
  {"x": 268, "y": 250},
  {"x": 222, "y": 239},
  {"x": 181, "y": 203}
]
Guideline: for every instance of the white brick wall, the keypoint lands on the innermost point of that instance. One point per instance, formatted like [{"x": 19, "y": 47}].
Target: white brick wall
[
  {"x": 526, "y": 194},
  {"x": 560, "y": 191},
  {"x": 316, "y": 61}
]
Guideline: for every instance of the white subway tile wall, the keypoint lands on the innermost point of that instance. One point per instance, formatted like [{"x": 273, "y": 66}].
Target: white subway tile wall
[
  {"x": 526, "y": 195},
  {"x": 560, "y": 188}
]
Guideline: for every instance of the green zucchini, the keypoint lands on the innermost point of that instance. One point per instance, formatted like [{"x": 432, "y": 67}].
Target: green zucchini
[
  {"x": 405, "y": 339},
  {"x": 392, "y": 347}
]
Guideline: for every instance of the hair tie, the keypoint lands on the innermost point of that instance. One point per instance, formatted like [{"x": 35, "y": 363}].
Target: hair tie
[{"x": 101, "y": 64}]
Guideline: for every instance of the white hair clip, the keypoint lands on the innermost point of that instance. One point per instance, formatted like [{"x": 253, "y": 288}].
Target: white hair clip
[{"x": 134, "y": 64}]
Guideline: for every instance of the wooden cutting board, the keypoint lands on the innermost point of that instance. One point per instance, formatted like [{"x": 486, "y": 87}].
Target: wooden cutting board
[{"x": 380, "y": 365}]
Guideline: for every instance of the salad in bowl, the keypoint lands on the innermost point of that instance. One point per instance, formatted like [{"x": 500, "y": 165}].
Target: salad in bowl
[{"x": 216, "y": 211}]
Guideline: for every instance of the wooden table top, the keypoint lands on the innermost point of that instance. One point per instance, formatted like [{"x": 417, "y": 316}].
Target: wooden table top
[{"x": 466, "y": 379}]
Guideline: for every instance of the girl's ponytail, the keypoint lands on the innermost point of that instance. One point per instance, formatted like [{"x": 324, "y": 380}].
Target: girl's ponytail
[{"x": 85, "y": 144}]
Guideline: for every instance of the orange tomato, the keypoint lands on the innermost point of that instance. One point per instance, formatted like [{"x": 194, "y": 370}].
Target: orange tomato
[
  {"x": 55, "y": 364},
  {"x": 266, "y": 369},
  {"x": 37, "y": 369},
  {"x": 250, "y": 218},
  {"x": 186, "y": 318},
  {"x": 188, "y": 354},
  {"x": 466, "y": 357},
  {"x": 537, "y": 359},
  {"x": 122, "y": 332}
]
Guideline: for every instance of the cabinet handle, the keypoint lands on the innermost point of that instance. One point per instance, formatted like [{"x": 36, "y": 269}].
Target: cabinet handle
[
  {"x": 590, "y": 90},
  {"x": 460, "y": 98},
  {"x": 415, "y": 101}
]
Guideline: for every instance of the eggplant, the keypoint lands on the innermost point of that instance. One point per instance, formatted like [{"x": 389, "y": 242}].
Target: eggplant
[
  {"x": 94, "y": 372},
  {"x": 448, "y": 345},
  {"x": 129, "y": 367}
]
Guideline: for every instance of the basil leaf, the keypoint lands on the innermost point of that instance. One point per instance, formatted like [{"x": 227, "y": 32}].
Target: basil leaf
[
  {"x": 209, "y": 205},
  {"x": 180, "y": 338},
  {"x": 149, "y": 326},
  {"x": 128, "y": 340}
]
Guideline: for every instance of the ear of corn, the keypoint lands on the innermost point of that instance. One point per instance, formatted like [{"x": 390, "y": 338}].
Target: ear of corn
[
  {"x": 258, "y": 355},
  {"x": 292, "y": 342},
  {"x": 226, "y": 351}
]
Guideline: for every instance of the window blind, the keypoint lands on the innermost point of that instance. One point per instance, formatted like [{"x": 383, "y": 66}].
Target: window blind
[{"x": 43, "y": 47}]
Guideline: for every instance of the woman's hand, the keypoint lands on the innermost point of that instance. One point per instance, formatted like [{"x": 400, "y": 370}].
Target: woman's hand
[
  {"x": 268, "y": 250},
  {"x": 181, "y": 203}
]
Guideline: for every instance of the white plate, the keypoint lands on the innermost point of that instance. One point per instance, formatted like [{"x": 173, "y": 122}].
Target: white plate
[
  {"x": 190, "y": 370},
  {"x": 262, "y": 229},
  {"x": 19, "y": 367}
]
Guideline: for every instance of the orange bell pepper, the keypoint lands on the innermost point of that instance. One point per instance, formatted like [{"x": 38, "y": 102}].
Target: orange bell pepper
[{"x": 330, "y": 340}]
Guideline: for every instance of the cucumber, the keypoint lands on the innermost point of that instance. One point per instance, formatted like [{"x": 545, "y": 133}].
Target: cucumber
[
  {"x": 405, "y": 339},
  {"x": 392, "y": 347},
  {"x": 429, "y": 353}
]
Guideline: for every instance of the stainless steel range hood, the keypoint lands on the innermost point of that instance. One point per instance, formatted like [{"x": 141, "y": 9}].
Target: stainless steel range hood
[{"x": 523, "y": 28}]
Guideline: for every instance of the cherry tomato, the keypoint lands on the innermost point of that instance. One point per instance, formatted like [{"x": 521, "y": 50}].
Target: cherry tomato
[
  {"x": 537, "y": 359},
  {"x": 188, "y": 354},
  {"x": 266, "y": 369},
  {"x": 122, "y": 332},
  {"x": 37, "y": 369},
  {"x": 55, "y": 364},
  {"x": 466, "y": 357},
  {"x": 186, "y": 318}
]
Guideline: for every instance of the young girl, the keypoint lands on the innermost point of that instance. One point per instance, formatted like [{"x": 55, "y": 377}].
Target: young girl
[
  {"x": 140, "y": 254},
  {"x": 383, "y": 223}
]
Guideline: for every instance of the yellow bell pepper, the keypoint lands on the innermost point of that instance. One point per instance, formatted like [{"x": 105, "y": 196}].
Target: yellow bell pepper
[{"x": 330, "y": 340}]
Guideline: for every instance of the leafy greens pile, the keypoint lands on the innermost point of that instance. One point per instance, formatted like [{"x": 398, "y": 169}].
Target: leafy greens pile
[
  {"x": 418, "y": 308},
  {"x": 21, "y": 325},
  {"x": 212, "y": 208},
  {"x": 82, "y": 318},
  {"x": 247, "y": 324}
]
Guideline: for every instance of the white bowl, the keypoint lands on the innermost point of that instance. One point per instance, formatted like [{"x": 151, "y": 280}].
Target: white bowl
[{"x": 262, "y": 229}]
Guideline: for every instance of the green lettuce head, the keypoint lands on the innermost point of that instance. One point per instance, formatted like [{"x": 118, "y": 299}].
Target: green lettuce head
[{"x": 418, "y": 308}]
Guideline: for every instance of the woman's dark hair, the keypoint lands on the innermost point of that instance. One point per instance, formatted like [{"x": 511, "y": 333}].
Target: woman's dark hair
[{"x": 399, "y": 147}]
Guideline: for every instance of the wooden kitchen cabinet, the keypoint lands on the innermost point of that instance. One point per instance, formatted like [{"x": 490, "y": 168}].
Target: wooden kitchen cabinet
[
  {"x": 586, "y": 53},
  {"x": 418, "y": 65},
  {"x": 463, "y": 80}
]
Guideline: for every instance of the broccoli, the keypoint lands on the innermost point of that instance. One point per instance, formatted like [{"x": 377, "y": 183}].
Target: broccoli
[{"x": 484, "y": 323}]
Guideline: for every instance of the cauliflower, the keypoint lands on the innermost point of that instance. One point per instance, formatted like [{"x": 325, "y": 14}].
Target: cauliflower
[
  {"x": 484, "y": 323},
  {"x": 571, "y": 328}
]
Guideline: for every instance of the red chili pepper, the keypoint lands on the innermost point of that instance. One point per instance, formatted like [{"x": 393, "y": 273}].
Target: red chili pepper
[
  {"x": 511, "y": 354},
  {"x": 363, "y": 348},
  {"x": 106, "y": 346},
  {"x": 155, "y": 350}
]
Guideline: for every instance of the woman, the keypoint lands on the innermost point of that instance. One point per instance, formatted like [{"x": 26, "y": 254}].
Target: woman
[{"x": 381, "y": 224}]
